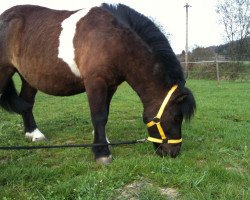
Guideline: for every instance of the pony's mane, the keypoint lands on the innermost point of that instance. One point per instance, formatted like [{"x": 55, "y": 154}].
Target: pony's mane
[{"x": 150, "y": 33}]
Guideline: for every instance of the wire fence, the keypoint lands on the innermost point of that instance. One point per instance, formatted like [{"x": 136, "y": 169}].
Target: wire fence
[{"x": 218, "y": 70}]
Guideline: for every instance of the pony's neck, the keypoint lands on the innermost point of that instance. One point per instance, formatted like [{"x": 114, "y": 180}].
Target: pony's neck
[{"x": 145, "y": 81}]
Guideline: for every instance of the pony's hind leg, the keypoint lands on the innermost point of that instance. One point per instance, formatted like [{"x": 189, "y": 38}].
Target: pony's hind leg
[
  {"x": 9, "y": 99},
  {"x": 28, "y": 93},
  {"x": 5, "y": 76}
]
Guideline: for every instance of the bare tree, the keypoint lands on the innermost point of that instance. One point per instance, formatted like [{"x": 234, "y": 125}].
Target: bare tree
[{"x": 235, "y": 16}]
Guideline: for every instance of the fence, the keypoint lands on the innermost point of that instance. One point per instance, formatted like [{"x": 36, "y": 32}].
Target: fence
[{"x": 218, "y": 70}]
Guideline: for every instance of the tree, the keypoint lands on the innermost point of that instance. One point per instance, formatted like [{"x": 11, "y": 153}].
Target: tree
[
  {"x": 235, "y": 16},
  {"x": 201, "y": 53}
]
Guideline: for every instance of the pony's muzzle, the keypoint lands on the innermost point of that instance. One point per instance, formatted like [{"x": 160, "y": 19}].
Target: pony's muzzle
[{"x": 173, "y": 150}]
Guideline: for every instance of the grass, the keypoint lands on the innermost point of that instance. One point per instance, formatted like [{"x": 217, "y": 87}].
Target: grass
[{"x": 214, "y": 163}]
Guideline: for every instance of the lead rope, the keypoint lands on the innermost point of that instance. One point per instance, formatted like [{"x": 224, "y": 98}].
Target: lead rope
[{"x": 72, "y": 145}]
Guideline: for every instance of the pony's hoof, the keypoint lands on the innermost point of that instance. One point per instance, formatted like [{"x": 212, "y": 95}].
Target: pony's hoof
[
  {"x": 104, "y": 160},
  {"x": 35, "y": 136},
  {"x": 37, "y": 139}
]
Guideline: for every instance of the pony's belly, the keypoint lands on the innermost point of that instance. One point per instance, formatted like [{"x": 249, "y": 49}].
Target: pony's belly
[
  {"x": 57, "y": 86},
  {"x": 64, "y": 89}
]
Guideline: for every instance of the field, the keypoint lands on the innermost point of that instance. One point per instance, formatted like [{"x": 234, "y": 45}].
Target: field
[{"x": 214, "y": 163}]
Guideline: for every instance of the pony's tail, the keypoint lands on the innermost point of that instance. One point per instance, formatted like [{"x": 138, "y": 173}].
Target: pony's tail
[{"x": 11, "y": 102}]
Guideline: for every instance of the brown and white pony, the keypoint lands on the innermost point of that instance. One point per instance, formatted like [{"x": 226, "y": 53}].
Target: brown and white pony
[{"x": 93, "y": 50}]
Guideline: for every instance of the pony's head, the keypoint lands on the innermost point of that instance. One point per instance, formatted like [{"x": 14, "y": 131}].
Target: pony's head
[{"x": 165, "y": 127}]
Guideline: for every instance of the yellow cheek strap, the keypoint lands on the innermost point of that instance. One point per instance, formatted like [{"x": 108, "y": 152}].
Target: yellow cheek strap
[{"x": 156, "y": 121}]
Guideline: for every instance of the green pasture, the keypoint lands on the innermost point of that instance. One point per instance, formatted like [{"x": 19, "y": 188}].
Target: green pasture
[{"x": 214, "y": 161}]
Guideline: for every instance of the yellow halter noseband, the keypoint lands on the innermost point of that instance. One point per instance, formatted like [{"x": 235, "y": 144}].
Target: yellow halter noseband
[{"x": 157, "y": 120}]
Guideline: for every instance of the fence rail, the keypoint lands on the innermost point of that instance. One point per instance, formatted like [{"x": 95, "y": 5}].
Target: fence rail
[
  {"x": 215, "y": 61},
  {"x": 218, "y": 69}
]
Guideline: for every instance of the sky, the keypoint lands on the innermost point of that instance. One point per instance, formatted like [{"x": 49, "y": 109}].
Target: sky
[{"x": 204, "y": 28}]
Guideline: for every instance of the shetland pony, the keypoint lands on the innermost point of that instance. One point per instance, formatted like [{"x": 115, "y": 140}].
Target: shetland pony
[{"x": 93, "y": 50}]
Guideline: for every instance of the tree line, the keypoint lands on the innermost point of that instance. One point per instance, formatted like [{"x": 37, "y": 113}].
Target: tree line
[
  {"x": 240, "y": 52},
  {"x": 235, "y": 17}
]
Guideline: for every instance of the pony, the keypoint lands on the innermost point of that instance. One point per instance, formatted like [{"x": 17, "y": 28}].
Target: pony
[{"x": 94, "y": 50}]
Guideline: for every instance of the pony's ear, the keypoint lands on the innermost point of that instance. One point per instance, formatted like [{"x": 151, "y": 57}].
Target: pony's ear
[
  {"x": 181, "y": 98},
  {"x": 184, "y": 93}
]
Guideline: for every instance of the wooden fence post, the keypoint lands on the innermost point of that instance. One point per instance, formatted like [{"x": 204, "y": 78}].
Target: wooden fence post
[{"x": 217, "y": 67}]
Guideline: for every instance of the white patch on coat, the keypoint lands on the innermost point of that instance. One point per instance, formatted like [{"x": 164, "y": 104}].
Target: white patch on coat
[
  {"x": 66, "y": 50},
  {"x": 35, "y": 135}
]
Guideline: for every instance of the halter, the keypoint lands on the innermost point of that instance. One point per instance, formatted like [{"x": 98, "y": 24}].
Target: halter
[{"x": 157, "y": 121}]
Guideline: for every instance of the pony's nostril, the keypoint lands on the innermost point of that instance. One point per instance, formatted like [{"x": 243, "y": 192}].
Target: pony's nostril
[
  {"x": 174, "y": 154},
  {"x": 171, "y": 150}
]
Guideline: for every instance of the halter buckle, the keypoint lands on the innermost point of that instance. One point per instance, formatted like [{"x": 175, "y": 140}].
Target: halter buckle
[
  {"x": 164, "y": 141},
  {"x": 156, "y": 120}
]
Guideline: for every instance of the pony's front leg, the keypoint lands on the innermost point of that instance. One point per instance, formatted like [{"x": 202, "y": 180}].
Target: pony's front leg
[{"x": 97, "y": 96}]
